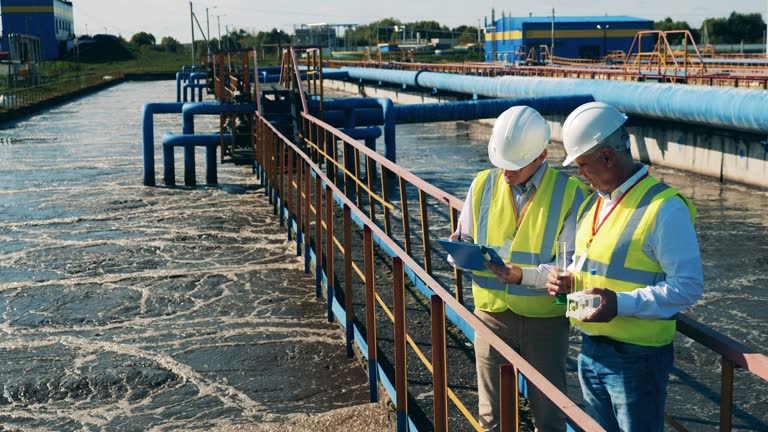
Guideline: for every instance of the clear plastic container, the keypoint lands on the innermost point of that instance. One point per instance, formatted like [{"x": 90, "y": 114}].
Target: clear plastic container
[{"x": 580, "y": 305}]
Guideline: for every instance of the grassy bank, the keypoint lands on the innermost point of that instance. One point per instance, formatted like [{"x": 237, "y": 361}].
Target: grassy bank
[
  {"x": 143, "y": 60},
  {"x": 153, "y": 60}
]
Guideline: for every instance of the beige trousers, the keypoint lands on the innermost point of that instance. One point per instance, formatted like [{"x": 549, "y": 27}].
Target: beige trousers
[{"x": 543, "y": 342}]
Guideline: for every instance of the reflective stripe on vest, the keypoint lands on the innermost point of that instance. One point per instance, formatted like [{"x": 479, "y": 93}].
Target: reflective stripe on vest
[
  {"x": 615, "y": 269},
  {"x": 540, "y": 230},
  {"x": 629, "y": 267},
  {"x": 491, "y": 283},
  {"x": 550, "y": 229}
]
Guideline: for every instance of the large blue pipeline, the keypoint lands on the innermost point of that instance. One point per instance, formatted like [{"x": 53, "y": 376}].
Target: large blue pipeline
[
  {"x": 352, "y": 112},
  {"x": 728, "y": 108}
]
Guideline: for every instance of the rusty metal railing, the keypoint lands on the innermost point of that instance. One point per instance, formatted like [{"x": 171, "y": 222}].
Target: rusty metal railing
[
  {"x": 308, "y": 196},
  {"x": 324, "y": 141},
  {"x": 755, "y": 77},
  {"x": 329, "y": 183},
  {"x": 732, "y": 354},
  {"x": 349, "y": 166},
  {"x": 663, "y": 60},
  {"x": 345, "y": 160}
]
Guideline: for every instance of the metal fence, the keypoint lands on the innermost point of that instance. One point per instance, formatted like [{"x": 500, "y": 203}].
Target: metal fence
[
  {"x": 333, "y": 193},
  {"x": 24, "y": 97}
]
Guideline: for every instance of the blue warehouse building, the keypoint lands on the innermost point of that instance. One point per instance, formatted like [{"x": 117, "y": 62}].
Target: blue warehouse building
[
  {"x": 49, "y": 20},
  {"x": 587, "y": 37}
]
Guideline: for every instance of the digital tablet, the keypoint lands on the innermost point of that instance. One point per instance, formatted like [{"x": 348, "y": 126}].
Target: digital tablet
[{"x": 470, "y": 256}]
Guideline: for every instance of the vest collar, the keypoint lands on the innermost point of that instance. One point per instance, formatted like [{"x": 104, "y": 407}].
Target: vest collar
[
  {"x": 534, "y": 181},
  {"x": 622, "y": 189}
]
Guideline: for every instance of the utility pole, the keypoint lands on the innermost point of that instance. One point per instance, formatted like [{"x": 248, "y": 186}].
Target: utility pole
[
  {"x": 604, "y": 28},
  {"x": 493, "y": 34},
  {"x": 552, "y": 37},
  {"x": 208, "y": 33},
  {"x": 192, "y": 24},
  {"x": 218, "y": 22}
]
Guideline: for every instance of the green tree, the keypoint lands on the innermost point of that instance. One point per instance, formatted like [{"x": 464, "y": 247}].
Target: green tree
[
  {"x": 467, "y": 34},
  {"x": 272, "y": 37},
  {"x": 386, "y": 29},
  {"x": 170, "y": 44},
  {"x": 737, "y": 28},
  {"x": 667, "y": 24},
  {"x": 201, "y": 47},
  {"x": 142, "y": 38}
]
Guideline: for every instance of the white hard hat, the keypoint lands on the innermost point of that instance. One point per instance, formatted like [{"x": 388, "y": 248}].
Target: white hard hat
[
  {"x": 587, "y": 126},
  {"x": 519, "y": 136}
]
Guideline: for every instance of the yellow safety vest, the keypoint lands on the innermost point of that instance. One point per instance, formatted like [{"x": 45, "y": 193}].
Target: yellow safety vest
[
  {"x": 615, "y": 251},
  {"x": 533, "y": 237}
]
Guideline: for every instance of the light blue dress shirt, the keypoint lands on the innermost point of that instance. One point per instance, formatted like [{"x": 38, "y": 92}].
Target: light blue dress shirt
[{"x": 672, "y": 242}]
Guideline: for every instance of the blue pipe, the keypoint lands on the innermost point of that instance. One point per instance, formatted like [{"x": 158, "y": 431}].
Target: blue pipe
[
  {"x": 387, "y": 117},
  {"x": 486, "y": 108},
  {"x": 190, "y": 110},
  {"x": 269, "y": 69},
  {"x": 148, "y": 134},
  {"x": 729, "y": 108},
  {"x": 180, "y": 77},
  {"x": 335, "y": 75},
  {"x": 192, "y": 82},
  {"x": 192, "y": 68},
  {"x": 192, "y": 86},
  {"x": 189, "y": 142},
  {"x": 196, "y": 76},
  {"x": 340, "y": 113},
  {"x": 366, "y": 133}
]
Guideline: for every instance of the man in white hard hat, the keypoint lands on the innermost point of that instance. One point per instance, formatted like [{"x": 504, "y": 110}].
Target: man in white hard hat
[
  {"x": 636, "y": 248},
  {"x": 521, "y": 208}
]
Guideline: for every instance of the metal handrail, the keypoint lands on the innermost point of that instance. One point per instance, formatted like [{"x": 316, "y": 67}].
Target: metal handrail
[
  {"x": 276, "y": 161},
  {"x": 279, "y": 159},
  {"x": 23, "y": 97},
  {"x": 733, "y": 353},
  {"x": 712, "y": 77}
]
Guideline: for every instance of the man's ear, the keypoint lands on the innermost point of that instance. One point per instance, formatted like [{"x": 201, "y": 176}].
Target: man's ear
[
  {"x": 542, "y": 156},
  {"x": 608, "y": 156}
]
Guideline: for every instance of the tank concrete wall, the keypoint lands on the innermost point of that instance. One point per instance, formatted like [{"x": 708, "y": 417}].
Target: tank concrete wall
[{"x": 729, "y": 156}]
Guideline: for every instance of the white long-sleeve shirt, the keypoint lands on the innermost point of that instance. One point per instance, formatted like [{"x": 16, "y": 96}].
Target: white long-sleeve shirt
[
  {"x": 672, "y": 242},
  {"x": 534, "y": 277}
]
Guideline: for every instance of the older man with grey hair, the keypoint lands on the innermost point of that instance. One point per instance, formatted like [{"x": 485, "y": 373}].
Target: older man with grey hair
[{"x": 636, "y": 248}]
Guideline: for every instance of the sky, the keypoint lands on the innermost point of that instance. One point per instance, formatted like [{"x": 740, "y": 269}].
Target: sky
[{"x": 172, "y": 17}]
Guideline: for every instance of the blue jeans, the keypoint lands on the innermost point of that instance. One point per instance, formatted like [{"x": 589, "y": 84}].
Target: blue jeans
[{"x": 624, "y": 385}]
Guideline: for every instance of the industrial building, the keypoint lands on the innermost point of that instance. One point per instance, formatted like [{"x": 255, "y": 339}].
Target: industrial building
[
  {"x": 510, "y": 39},
  {"x": 49, "y": 20}
]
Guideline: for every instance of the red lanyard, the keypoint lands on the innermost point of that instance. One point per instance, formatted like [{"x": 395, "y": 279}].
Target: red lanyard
[{"x": 595, "y": 226}]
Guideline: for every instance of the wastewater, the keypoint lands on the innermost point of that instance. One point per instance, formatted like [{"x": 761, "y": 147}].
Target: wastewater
[
  {"x": 125, "y": 307},
  {"x": 133, "y": 308}
]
